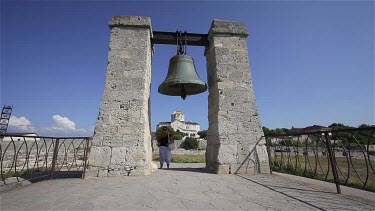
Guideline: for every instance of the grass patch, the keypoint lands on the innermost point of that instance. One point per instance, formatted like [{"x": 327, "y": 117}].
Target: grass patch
[
  {"x": 296, "y": 165},
  {"x": 183, "y": 158}
]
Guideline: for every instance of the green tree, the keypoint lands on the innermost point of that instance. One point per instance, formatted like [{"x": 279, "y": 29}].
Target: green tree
[
  {"x": 280, "y": 131},
  {"x": 364, "y": 126},
  {"x": 266, "y": 131},
  {"x": 190, "y": 143},
  {"x": 363, "y": 136},
  {"x": 339, "y": 126},
  {"x": 176, "y": 134},
  {"x": 294, "y": 130},
  {"x": 203, "y": 134}
]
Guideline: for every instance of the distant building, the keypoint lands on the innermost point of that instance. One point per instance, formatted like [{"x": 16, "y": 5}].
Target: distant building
[
  {"x": 190, "y": 129},
  {"x": 308, "y": 129},
  {"x": 314, "y": 128}
]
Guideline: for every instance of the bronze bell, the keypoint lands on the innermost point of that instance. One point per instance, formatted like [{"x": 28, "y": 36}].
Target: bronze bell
[{"x": 182, "y": 78}]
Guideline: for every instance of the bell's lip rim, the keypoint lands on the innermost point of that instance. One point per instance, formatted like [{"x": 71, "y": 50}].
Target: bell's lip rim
[
  {"x": 199, "y": 82},
  {"x": 179, "y": 94}
]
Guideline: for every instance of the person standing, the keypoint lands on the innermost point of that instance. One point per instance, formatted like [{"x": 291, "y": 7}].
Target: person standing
[{"x": 165, "y": 154}]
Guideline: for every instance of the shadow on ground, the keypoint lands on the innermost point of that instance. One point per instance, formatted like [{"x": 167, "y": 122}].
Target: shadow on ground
[
  {"x": 38, "y": 176},
  {"x": 192, "y": 169},
  {"x": 318, "y": 199}
]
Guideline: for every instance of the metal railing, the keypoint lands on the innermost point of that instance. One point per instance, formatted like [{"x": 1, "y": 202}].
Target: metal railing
[
  {"x": 36, "y": 158},
  {"x": 345, "y": 157}
]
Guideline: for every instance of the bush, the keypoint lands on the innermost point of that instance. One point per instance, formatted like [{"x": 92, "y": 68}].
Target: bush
[{"x": 190, "y": 143}]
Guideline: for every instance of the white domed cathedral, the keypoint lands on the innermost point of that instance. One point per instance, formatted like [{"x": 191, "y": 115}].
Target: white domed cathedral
[{"x": 178, "y": 123}]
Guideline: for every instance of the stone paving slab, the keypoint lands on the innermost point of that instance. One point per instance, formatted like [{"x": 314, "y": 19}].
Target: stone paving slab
[
  {"x": 178, "y": 188},
  {"x": 348, "y": 192}
]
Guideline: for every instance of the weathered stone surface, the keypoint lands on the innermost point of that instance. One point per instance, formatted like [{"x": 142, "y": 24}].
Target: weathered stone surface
[
  {"x": 131, "y": 21},
  {"x": 13, "y": 183},
  {"x": 185, "y": 187},
  {"x": 122, "y": 140},
  {"x": 100, "y": 153},
  {"x": 228, "y": 27},
  {"x": 234, "y": 125}
]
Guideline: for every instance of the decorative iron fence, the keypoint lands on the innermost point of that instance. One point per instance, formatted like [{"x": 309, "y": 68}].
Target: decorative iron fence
[
  {"x": 345, "y": 157},
  {"x": 36, "y": 158}
]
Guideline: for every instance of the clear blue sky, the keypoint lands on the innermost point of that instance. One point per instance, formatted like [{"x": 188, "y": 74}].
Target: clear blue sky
[{"x": 312, "y": 62}]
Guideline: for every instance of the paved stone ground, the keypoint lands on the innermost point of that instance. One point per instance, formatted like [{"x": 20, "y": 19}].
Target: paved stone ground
[{"x": 179, "y": 188}]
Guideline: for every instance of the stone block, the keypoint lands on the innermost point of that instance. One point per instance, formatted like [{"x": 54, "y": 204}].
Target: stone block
[
  {"x": 130, "y": 39},
  {"x": 248, "y": 167},
  {"x": 227, "y": 153},
  {"x": 130, "y": 21},
  {"x": 223, "y": 169},
  {"x": 226, "y": 126},
  {"x": 112, "y": 140},
  {"x": 264, "y": 168},
  {"x": 232, "y": 43},
  {"x": 114, "y": 172},
  {"x": 228, "y": 27},
  {"x": 100, "y": 156},
  {"x": 262, "y": 154},
  {"x": 133, "y": 140},
  {"x": 93, "y": 171},
  {"x": 98, "y": 140},
  {"x": 232, "y": 59}
]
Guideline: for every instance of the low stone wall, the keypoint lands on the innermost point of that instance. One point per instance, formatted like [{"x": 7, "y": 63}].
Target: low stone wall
[
  {"x": 188, "y": 152},
  {"x": 202, "y": 144}
]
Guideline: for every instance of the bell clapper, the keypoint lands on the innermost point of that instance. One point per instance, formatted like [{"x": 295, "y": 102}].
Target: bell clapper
[{"x": 183, "y": 92}]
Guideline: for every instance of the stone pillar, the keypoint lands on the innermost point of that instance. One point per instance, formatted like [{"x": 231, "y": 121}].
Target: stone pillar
[
  {"x": 234, "y": 125},
  {"x": 122, "y": 140}
]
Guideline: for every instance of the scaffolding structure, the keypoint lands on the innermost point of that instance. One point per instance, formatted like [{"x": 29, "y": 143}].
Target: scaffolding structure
[{"x": 4, "y": 118}]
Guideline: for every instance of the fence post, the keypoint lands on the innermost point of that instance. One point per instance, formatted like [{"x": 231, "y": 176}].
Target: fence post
[
  {"x": 54, "y": 157},
  {"x": 269, "y": 153},
  {"x": 332, "y": 161},
  {"x": 85, "y": 156}
]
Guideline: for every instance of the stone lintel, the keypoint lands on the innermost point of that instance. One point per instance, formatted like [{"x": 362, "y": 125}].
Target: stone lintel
[
  {"x": 131, "y": 21},
  {"x": 228, "y": 28}
]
